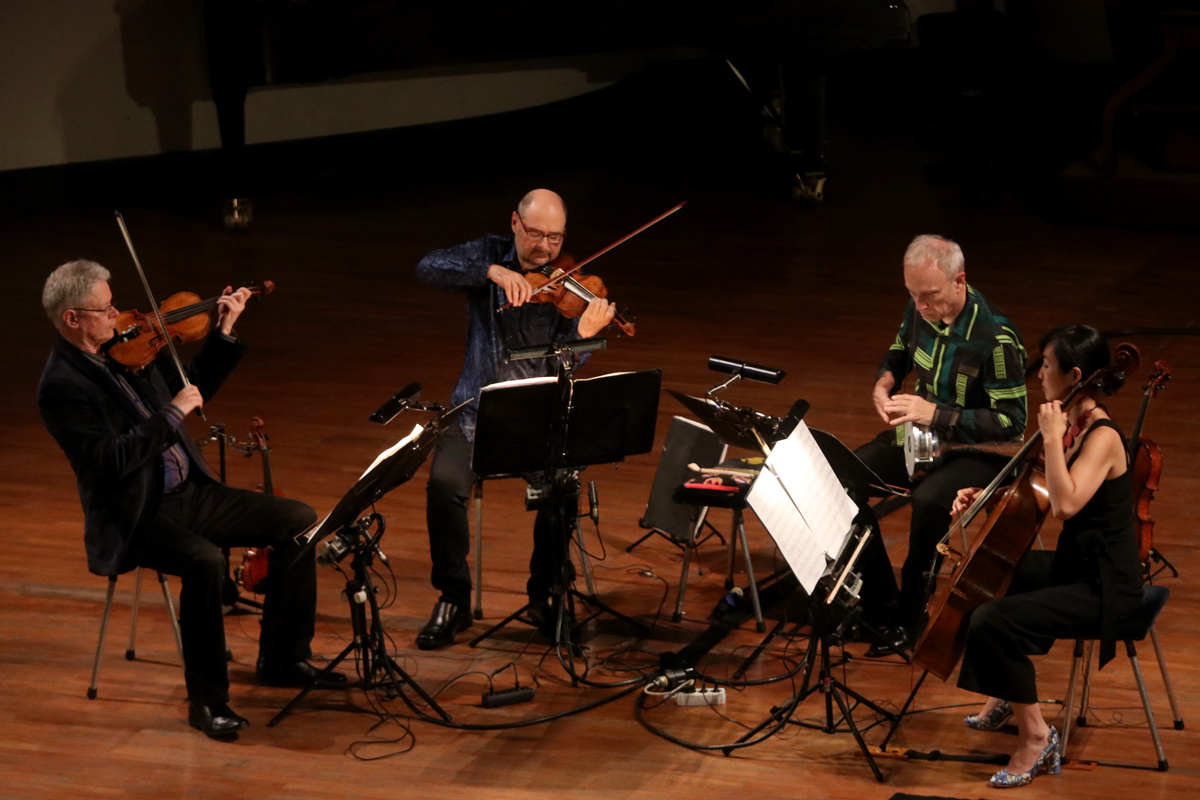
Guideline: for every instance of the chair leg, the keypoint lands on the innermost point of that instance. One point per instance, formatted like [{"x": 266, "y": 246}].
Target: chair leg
[
  {"x": 740, "y": 533},
  {"x": 108, "y": 601},
  {"x": 1162, "y": 667},
  {"x": 688, "y": 547},
  {"x": 1141, "y": 684},
  {"x": 478, "y": 549},
  {"x": 1085, "y": 701},
  {"x": 130, "y": 651},
  {"x": 733, "y": 545},
  {"x": 1066, "y": 731},
  {"x": 166, "y": 590}
]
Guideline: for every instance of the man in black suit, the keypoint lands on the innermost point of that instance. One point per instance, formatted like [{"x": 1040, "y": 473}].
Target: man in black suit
[{"x": 149, "y": 500}]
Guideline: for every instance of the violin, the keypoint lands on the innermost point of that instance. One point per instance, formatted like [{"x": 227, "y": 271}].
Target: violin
[
  {"x": 571, "y": 293},
  {"x": 985, "y": 571},
  {"x": 139, "y": 338}
]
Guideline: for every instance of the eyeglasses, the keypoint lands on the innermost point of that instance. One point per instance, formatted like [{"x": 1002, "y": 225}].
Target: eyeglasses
[
  {"x": 536, "y": 235},
  {"x": 107, "y": 309}
]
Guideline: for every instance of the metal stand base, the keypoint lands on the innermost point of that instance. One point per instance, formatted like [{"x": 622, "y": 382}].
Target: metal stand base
[
  {"x": 369, "y": 644},
  {"x": 834, "y": 690}
]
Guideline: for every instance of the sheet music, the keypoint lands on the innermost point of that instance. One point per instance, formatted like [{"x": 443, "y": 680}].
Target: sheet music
[
  {"x": 416, "y": 431},
  {"x": 517, "y": 382},
  {"x": 779, "y": 516},
  {"x": 802, "y": 505}
]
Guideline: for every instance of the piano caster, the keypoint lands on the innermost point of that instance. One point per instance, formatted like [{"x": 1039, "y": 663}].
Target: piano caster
[
  {"x": 238, "y": 213},
  {"x": 808, "y": 187}
]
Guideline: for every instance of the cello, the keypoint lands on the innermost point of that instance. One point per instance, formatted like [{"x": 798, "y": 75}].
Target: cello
[{"x": 985, "y": 571}]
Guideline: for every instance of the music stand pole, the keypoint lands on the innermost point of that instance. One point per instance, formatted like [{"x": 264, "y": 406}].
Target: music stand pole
[
  {"x": 834, "y": 690},
  {"x": 368, "y": 642},
  {"x": 564, "y": 490}
]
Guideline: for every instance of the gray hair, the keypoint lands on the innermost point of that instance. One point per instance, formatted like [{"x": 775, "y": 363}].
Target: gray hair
[
  {"x": 70, "y": 285},
  {"x": 943, "y": 252}
]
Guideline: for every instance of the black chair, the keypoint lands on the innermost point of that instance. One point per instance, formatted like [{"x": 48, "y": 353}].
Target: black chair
[{"x": 1136, "y": 629}]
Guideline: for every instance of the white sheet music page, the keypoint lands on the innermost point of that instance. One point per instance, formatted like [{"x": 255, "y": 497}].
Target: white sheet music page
[
  {"x": 416, "y": 431},
  {"x": 802, "y": 504},
  {"x": 779, "y": 516}
]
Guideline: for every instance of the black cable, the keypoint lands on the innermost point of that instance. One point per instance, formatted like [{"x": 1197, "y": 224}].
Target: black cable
[
  {"x": 525, "y": 723},
  {"x": 640, "y": 717}
]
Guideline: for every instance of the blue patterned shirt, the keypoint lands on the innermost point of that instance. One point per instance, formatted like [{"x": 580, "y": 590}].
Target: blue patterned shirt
[{"x": 491, "y": 332}]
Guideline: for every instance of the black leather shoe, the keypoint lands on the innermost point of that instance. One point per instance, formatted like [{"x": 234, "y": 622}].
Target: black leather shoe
[
  {"x": 216, "y": 721},
  {"x": 898, "y": 639},
  {"x": 298, "y": 675},
  {"x": 446, "y": 620}
]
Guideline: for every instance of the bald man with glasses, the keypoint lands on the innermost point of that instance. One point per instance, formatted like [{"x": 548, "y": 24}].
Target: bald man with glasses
[{"x": 491, "y": 273}]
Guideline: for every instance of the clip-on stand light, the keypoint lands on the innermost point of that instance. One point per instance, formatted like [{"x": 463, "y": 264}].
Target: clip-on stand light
[
  {"x": 351, "y": 536},
  {"x": 559, "y": 425}
]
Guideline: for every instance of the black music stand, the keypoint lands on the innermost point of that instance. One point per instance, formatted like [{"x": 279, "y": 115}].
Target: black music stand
[
  {"x": 351, "y": 535},
  {"x": 560, "y": 425},
  {"x": 795, "y": 489}
]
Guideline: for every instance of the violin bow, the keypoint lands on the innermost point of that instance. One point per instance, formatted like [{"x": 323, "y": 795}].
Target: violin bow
[
  {"x": 162, "y": 325},
  {"x": 598, "y": 253}
]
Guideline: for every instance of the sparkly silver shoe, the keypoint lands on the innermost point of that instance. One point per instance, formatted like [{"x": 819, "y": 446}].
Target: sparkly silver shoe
[
  {"x": 994, "y": 720},
  {"x": 1049, "y": 762}
]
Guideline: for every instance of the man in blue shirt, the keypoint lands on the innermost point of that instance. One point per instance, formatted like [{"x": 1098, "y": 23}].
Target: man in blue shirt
[{"x": 491, "y": 272}]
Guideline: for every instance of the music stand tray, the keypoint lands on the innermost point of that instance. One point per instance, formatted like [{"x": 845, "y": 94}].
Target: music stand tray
[
  {"x": 391, "y": 468},
  {"x": 610, "y": 417}
]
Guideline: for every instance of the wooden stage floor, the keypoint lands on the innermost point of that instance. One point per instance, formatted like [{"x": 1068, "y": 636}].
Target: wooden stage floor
[{"x": 816, "y": 291}]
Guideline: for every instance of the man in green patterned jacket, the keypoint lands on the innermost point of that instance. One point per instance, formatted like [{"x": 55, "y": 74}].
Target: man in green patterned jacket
[{"x": 970, "y": 388}]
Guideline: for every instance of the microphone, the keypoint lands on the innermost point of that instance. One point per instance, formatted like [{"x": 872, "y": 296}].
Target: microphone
[
  {"x": 593, "y": 503},
  {"x": 399, "y": 402}
]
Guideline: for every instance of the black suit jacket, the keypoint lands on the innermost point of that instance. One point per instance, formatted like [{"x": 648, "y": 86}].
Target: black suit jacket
[{"x": 115, "y": 452}]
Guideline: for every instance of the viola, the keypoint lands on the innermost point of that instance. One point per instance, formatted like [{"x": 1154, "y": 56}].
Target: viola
[
  {"x": 570, "y": 293},
  {"x": 253, "y": 574},
  {"x": 139, "y": 337},
  {"x": 1146, "y": 467},
  {"x": 1146, "y": 470},
  {"x": 986, "y": 570},
  {"x": 562, "y": 283}
]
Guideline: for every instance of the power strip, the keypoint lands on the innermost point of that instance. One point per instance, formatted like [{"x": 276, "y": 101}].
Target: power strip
[
  {"x": 506, "y": 697},
  {"x": 702, "y": 697}
]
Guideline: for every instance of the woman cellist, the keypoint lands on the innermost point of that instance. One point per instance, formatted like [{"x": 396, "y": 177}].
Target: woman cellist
[{"x": 1079, "y": 590}]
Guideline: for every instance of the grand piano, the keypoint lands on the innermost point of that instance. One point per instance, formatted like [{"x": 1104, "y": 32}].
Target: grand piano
[{"x": 257, "y": 44}]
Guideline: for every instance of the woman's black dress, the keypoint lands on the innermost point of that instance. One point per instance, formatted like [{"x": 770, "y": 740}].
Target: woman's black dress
[{"x": 1078, "y": 591}]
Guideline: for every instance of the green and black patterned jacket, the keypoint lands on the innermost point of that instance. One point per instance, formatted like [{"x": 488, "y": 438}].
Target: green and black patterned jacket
[{"x": 974, "y": 369}]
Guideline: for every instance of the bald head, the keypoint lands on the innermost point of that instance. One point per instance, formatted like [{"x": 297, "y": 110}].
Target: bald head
[
  {"x": 542, "y": 200},
  {"x": 538, "y": 226}
]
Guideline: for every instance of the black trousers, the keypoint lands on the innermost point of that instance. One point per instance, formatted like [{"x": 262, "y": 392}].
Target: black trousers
[
  {"x": 1002, "y": 634},
  {"x": 932, "y": 499},
  {"x": 447, "y": 493},
  {"x": 185, "y": 539}
]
